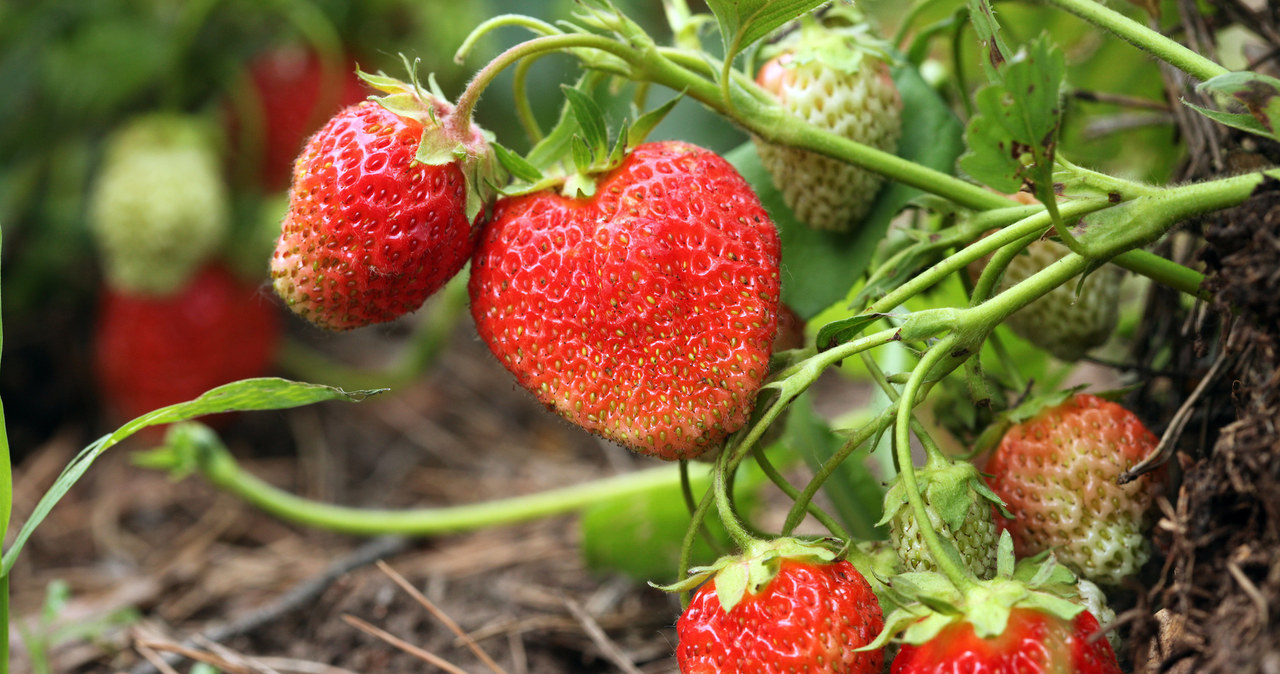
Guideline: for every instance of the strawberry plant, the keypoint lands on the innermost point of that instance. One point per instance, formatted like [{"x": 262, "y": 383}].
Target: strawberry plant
[{"x": 632, "y": 283}]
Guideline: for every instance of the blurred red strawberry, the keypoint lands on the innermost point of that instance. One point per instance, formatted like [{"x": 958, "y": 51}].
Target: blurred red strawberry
[
  {"x": 155, "y": 351},
  {"x": 292, "y": 92}
]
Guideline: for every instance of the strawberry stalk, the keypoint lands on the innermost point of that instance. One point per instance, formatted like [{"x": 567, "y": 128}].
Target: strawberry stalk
[
  {"x": 944, "y": 557},
  {"x": 210, "y": 458},
  {"x": 1144, "y": 38}
]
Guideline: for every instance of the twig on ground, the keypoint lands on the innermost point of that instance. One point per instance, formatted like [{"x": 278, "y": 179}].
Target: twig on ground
[
  {"x": 600, "y": 639},
  {"x": 295, "y": 598},
  {"x": 441, "y": 616},
  {"x": 425, "y": 656}
]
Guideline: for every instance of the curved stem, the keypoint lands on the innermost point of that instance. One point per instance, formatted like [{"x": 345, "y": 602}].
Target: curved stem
[
  {"x": 787, "y": 488},
  {"x": 524, "y": 111},
  {"x": 467, "y": 101},
  {"x": 6, "y": 511},
  {"x": 1143, "y": 38},
  {"x": 535, "y": 25},
  {"x": 217, "y": 466},
  {"x": 950, "y": 567},
  {"x": 724, "y": 504},
  {"x": 862, "y": 435}
]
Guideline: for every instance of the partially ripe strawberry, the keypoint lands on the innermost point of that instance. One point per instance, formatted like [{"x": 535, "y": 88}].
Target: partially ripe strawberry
[
  {"x": 831, "y": 79},
  {"x": 1032, "y": 642},
  {"x": 155, "y": 351},
  {"x": 644, "y": 313},
  {"x": 291, "y": 92},
  {"x": 158, "y": 207},
  {"x": 381, "y": 210},
  {"x": 1062, "y": 322},
  {"x": 781, "y": 612},
  {"x": 1057, "y": 473}
]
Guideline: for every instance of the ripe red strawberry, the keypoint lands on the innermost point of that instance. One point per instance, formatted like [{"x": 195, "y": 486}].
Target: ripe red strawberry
[
  {"x": 1057, "y": 475},
  {"x": 786, "y": 612},
  {"x": 1032, "y": 641},
  {"x": 381, "y": 209},
  {"x": 644, "y": 313},
  {"x": 292, "y": 91},
  {"x": 155, "y": 351},
  {"x": 833, "y": 77}
]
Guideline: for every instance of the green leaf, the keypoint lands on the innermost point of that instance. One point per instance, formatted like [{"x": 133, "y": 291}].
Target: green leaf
[
  {"x": 742, "y": 22},
  {"x": 644, "y": 124},
  {"x": 1258, "y": 93},
  {"x": 516, "y": 165},
  {"x": 844, "y": 330},
  {"x": 1013, "y": 137},
  {"x": 833, "y": 262},
  {"x": 266, "y": 393},
  {"x": 855, "y": 493},
  {"x": 983, "y": 18},
  {"x": 1235, "y": 120},
  {"x": 590, "y": 120}
]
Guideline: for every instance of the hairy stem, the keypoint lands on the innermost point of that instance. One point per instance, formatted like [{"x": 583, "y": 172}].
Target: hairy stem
[{"x": 1143, "y": 38}]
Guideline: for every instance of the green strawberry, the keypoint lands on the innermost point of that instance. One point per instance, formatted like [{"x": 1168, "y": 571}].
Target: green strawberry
[
  {"x": 1057, "y": 473},
  {"x": 959, "y": 506},
  {"x": 836, "y": 78},
  {"x": 159, "y": 207},
  {"x": 1060, "y": 322}
]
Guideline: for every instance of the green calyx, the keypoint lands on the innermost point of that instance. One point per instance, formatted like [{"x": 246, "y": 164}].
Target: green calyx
[
  {"x": 577, "y": 150},
  {"x": 948, "y": 487},
  {"x": 839, "y": 38},
  {"x": 928, "y": 602},
  {"x": 447, "y": 137},
  {"x": 736, "y": 576}
]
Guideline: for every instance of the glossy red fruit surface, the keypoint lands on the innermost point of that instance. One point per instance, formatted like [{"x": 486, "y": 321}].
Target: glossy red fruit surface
[
  {"x": 644, "y": 314},
  {"x": 809, "y": 618},
  {"x": 370, "y": 234},
  {"x": 1033, "y": 642}
]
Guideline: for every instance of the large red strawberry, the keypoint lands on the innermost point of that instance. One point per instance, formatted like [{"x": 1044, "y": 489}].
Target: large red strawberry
[
  {"x": 155, "y": 351},
  {"x": 781, "y": 607},
  {"x": 644, "y": 313},
  {"x": 381, "y": 209},
  {"x": 831, "y": 73},
  {"x": 1057, "y": 473},
  {"x": 1033, "y": 641},
  {"x": 291, "y": 92}
]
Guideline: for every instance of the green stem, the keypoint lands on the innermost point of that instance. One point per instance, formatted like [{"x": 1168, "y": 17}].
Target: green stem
[
  {"x": 221, "y": 470},
  {"x": 467, "y": 101},
  {"x": 794, "y": 494},
  {"x": 950, "y": 567},
  {"x": 524, "y": 111},
  {"x": 724, "y": 504},
  {"x": 535, "y": 25},
  {"x": 1143, "y": 38},
  {"x": 686, "y": 491},
  {"x": 832, "y": 464}
]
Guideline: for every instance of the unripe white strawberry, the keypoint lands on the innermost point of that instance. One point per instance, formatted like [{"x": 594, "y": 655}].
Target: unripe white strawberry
[
  {"x": 833, "y": 79},
  {"x": 159, "y": 207},
  {"x": 958, "y": 504},
  {"x": 1060, "y": 322}
]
